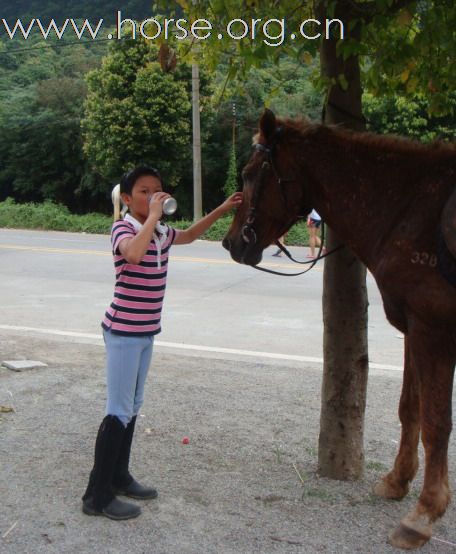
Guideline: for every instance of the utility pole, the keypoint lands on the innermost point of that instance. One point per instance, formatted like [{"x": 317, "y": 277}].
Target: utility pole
[{"x": 197, "y": 189}]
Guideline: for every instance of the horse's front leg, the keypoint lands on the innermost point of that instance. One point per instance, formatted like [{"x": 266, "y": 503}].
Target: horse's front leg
[
  {"x": 433, "y": 355},
  {"x": 395, "y": 484}
]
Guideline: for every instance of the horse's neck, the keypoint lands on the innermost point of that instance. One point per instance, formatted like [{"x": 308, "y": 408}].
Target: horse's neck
[{"x": 348, "y": 192}]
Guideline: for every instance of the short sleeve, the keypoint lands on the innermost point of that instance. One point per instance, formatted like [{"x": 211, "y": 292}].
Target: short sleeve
[{"x": 120, "y": 231}]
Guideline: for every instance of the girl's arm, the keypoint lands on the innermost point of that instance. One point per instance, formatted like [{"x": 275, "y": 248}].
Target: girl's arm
[{"x": 201, "y": 226}]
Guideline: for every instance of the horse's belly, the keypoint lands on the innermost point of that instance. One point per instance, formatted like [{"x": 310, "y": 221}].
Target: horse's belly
[{"x": 417, "y": 292}]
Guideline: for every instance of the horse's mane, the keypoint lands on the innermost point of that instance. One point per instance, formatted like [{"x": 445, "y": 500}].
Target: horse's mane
[{"x": 297, "y": 128}]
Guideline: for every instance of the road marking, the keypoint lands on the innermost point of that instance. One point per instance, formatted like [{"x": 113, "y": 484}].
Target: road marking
[
  {"x": 194, "y": 347},
  {"x": 52, "y": 250},
  {"x": 52, "y": 332},
  {"x": 106, "y": 253},
  {"x": 12, "y": 235}
]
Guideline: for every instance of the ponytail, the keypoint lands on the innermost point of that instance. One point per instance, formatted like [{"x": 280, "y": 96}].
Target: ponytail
[{"x": 119, "y": 207}]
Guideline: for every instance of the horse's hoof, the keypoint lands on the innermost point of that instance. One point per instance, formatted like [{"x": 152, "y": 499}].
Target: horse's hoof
[
  {"x": 413, "y": 531},
  {"x": 406, "y": 538},
  {"x": 386, "y": 490}
]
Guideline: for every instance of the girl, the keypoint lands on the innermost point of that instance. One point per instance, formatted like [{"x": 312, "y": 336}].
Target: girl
[{"x": 140, "y": 245}]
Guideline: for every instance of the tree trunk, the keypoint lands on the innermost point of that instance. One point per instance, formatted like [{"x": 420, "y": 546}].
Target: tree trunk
[{"x": 341, "y": 449}]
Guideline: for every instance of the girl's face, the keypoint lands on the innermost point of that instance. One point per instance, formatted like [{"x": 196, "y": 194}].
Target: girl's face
[{"x": 138, "y": 201}]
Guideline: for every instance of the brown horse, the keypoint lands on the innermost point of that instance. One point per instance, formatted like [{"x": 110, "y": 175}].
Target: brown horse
[{"x": 384, "y": 198}]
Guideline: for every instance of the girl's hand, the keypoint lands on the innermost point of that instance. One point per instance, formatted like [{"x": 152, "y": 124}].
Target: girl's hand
[
  {"x": 156, "y": 203},
  {"x": 233, "y": 201}
]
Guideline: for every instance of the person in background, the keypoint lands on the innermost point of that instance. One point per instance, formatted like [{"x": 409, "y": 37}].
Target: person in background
[{"x": 314, "y": 224}]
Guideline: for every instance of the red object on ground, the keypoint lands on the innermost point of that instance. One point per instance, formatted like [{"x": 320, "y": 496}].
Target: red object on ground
[{"x": 185, "y": 440}]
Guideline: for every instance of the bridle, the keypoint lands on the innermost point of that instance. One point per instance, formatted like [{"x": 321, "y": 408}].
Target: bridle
[{"x": 247, "y": 231}]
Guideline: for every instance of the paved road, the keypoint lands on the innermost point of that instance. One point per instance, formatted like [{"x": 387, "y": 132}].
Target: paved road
[{"x": 62, "y": 282}]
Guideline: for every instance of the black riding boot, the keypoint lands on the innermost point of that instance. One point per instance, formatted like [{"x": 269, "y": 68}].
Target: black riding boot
[
  {"x": 123, "y": 482},
  {"x": 99, "y": 498}
]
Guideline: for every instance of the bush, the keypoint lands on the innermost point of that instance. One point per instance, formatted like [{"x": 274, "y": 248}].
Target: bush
[
  {"x": 50, "y": 217},
  {"x": 55, "y": 217}
]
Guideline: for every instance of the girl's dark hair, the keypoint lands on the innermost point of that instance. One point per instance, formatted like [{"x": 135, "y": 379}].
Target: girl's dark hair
[{"x": 129, "y": 178}]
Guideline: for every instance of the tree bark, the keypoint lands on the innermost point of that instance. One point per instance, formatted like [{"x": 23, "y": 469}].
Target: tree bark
[{"x": 341, "y": 448}]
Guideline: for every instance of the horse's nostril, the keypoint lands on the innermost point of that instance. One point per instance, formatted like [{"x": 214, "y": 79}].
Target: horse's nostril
[{"x": 248, "y": 234}]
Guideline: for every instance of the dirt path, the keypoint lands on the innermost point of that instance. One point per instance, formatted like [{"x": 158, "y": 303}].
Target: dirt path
[{"x": 233, "y": 489}]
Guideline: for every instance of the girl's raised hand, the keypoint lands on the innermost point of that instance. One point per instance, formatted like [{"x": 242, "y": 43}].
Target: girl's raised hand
[
  {"x": 156, "y": 203},
  {"x": 233, "y": 201}
]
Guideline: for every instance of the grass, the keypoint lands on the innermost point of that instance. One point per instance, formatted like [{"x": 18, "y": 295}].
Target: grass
[
  {"x": 376, "y": 466},
  {"x": 51, "y": 217},
  {"x": 279, "y": 452},
  {"x": 318, "y": 493},
  {"x": 56, "y": 217}
]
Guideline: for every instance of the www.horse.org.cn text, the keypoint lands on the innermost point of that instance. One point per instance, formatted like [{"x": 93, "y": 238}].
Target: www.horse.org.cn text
[{"x": 272, "y": 31}]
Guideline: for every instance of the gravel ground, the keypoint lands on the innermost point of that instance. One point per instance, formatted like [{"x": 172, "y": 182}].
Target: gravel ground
[{"x": 233, "y": 489}]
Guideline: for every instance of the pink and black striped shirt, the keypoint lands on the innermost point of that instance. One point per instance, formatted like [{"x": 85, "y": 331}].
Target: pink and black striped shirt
[{"x": 140, "y": 289}]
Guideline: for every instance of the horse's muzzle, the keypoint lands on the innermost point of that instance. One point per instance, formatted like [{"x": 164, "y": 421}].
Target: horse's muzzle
[
  {"x": 241, "y": 252},
  {"x": 226, "y": 243}
]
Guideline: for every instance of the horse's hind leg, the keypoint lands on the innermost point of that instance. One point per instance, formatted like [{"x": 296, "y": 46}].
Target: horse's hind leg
[
  {"x": 395, "y": 484},
  {"x": 433, "y": 356}
]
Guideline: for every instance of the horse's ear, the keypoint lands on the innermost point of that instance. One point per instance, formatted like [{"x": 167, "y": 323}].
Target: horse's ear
[{"x": 268, "y": 124}]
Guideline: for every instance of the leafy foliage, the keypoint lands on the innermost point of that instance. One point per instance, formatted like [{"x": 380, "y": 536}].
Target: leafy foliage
[
  {"x": 412, "y": 52},
  {"x": 405, "y": 47},
  {"x": 409, "y": 117},
  {"x": 50, "y": 216},
  {"x": 135, "y": 114},
  {"x": 45, "y": 9},
  {"x": 41, "y": 103}
]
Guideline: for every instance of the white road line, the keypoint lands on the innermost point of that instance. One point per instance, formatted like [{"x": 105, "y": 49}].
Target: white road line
[{"x": 194, "y": 347}]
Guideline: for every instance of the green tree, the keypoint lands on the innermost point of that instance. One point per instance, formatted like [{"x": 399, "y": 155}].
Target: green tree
[
  {"x": 287, "y": 89},
  {"x": 135, "y": 113},
  {"x": 41, "y": 102},
  {"x": 409, "y": 117},
  {"x": 63, "y": 9}
]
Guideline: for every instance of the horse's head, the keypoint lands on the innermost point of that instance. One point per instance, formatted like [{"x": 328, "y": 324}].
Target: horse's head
[{"x": 273, "y": 198}]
